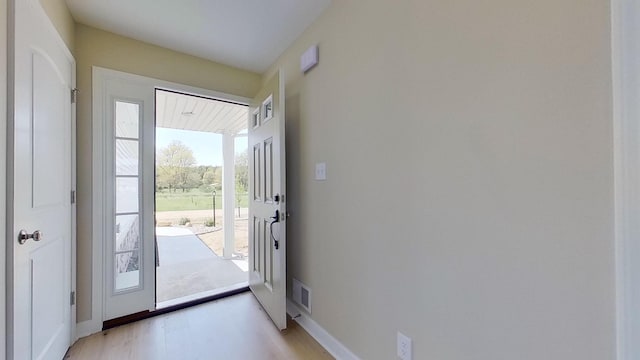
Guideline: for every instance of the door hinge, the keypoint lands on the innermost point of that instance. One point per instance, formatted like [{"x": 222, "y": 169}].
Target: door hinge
[
  {"x": 73, "y": 298},
  {"x": 73, "y": 196},
  {"x": 74, "y": 95}
]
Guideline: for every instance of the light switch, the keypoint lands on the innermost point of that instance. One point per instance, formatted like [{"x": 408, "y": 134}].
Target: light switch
[{"x": 321, "y": 171}]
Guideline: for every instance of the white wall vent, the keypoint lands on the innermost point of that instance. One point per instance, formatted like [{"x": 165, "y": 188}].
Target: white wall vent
[{"x": 302, "y": 295}]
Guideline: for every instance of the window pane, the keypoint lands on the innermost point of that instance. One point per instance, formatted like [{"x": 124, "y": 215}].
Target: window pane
[
  {"x": 127, "y": 266},
  {"x": 127, "y": 232},
  {"x": 267, "y": 108},
  {"x": 127, "y": 119},
  {"x": 126, "y": 195},
  {"x": 126, "y": 157}
]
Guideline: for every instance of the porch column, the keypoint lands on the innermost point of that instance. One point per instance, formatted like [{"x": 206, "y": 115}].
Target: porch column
[{"x": 228, "y": 193}]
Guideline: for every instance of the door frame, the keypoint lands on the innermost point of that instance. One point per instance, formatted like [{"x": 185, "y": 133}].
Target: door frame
[
  {"x": 99, "y": 75},
  {"x": 7, "y": 39},
  {"x": 3, "y": 168},
  {"x": 625, "y": 30}
]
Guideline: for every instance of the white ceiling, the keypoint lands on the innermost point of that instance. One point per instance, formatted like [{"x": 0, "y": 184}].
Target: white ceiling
[
  {"x": 248, "y": 34},
  {"x": 187, "y": 112}
]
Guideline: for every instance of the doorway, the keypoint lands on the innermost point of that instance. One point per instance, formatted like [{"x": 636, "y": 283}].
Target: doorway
[
  {"x": 124, "y": 130},
  {"x": 201, "y": 200},
  {"x": 132, "y": 184}
]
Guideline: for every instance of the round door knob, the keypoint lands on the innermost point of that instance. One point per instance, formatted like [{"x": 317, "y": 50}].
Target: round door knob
[
  {"x": 23, "y": 236},
  {"x": 37, "y": 235}
]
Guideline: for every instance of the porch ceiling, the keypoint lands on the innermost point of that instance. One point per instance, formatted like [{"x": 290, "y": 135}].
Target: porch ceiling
[{"x": 187, "y": 112}]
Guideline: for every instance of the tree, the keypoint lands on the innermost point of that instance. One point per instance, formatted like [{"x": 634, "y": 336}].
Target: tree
[
  {"x": 175, "y": 164},
  {"x": 208, "y": 178},
  {"x": 242, "y": 172},
  {"x": 213, "y": 175}
]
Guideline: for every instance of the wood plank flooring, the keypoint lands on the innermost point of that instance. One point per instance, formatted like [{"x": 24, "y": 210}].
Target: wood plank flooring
[{"x": 232, "y": 328}]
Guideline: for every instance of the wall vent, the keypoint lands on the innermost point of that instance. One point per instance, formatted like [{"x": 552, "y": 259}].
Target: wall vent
[{"x": 302, "y": 295}]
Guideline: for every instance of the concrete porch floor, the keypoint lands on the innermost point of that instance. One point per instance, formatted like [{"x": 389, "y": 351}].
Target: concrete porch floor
[{"x": 187, "y": 266}]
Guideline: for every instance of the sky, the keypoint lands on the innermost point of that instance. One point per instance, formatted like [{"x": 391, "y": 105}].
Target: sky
[{"x": 207, "y": 147}]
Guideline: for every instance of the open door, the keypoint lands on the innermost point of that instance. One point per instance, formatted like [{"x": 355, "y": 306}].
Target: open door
[
  {"x": 267, "y": 207},
  {"x": 39, "y": 194}
]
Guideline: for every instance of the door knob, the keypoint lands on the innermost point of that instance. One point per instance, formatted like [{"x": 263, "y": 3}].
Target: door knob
[{"x": 23, "y": 236}]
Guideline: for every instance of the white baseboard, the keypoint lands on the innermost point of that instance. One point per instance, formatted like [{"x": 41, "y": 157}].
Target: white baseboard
[
  {"x": 87, "y": 328},
  {"x": 331, "y": 344}
]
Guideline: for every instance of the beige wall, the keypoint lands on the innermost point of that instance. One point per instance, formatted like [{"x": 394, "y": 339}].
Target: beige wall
[
  {"x": 61, "y": 18},
  {"x": 99, "y": 48},
  {"x": 469, "y": 200},
  {"x": 477, "y": 135}
]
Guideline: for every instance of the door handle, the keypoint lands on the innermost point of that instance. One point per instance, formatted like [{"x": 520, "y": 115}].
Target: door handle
[
  {"x": 23, "y": 236},
  {"x": 276, "y": 219}
]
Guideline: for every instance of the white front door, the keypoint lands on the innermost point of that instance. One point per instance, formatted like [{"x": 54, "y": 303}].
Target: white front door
[
  {"x": 126, "y": 107},
  {"x": 40, "y": 173},
  {"x": 267, "y": 208}
]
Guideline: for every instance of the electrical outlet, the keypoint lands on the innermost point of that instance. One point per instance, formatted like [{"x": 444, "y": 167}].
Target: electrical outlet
[{"x": 404, "y": 347}]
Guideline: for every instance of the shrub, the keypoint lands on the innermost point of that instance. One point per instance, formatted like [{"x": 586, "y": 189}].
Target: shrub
[
  {"x": 208, "y": 222},
  {"x": 184, "y": 221}
]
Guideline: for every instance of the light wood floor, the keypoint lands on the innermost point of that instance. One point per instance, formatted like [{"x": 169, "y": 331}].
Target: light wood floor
[{"x": 227, "y": 329}]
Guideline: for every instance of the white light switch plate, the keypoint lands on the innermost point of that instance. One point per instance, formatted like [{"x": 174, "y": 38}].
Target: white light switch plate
[{"x": 321, "y": 171}]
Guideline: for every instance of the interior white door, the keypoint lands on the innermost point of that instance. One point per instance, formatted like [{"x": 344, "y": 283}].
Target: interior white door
[
  {"x": 267, "y": 207},
  {"x": 40, "y": 267},
  {"x": 128, "y": 179}
]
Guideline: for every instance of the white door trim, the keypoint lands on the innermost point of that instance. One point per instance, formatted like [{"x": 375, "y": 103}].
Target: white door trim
[
  {"x": 3, "y": 168},
  {"x": 99, "y": 76},
  {"x": 6, "y": 142},
  {"x": 74, "y": 205},
  {"x": 625, "y": 30}
]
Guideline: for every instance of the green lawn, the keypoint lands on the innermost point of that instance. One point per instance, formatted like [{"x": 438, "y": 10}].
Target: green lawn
[{"x": 191, "y": 200}]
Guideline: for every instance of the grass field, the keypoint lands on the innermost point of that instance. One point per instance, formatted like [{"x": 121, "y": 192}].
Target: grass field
[{"x": 192, "y": 200}]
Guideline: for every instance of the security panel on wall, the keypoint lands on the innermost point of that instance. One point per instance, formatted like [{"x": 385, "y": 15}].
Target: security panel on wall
[{"x": 309, "y": 59}]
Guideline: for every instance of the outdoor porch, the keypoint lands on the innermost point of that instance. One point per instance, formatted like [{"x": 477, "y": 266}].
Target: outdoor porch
[{"x": 191, "y": 257}]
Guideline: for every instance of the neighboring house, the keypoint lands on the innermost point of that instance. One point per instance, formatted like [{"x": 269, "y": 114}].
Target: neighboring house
[{"x": 470, "y": 153}]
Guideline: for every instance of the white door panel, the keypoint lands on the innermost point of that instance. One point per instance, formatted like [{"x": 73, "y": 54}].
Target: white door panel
[
  {"x": 40, "y": 271},
  {"x": 267, "y": 234},
  {"x": 128, "y": 184}
]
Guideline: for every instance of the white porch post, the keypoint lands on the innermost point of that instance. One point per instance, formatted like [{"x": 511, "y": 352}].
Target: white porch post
[{"x": 228, "y": 192}]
